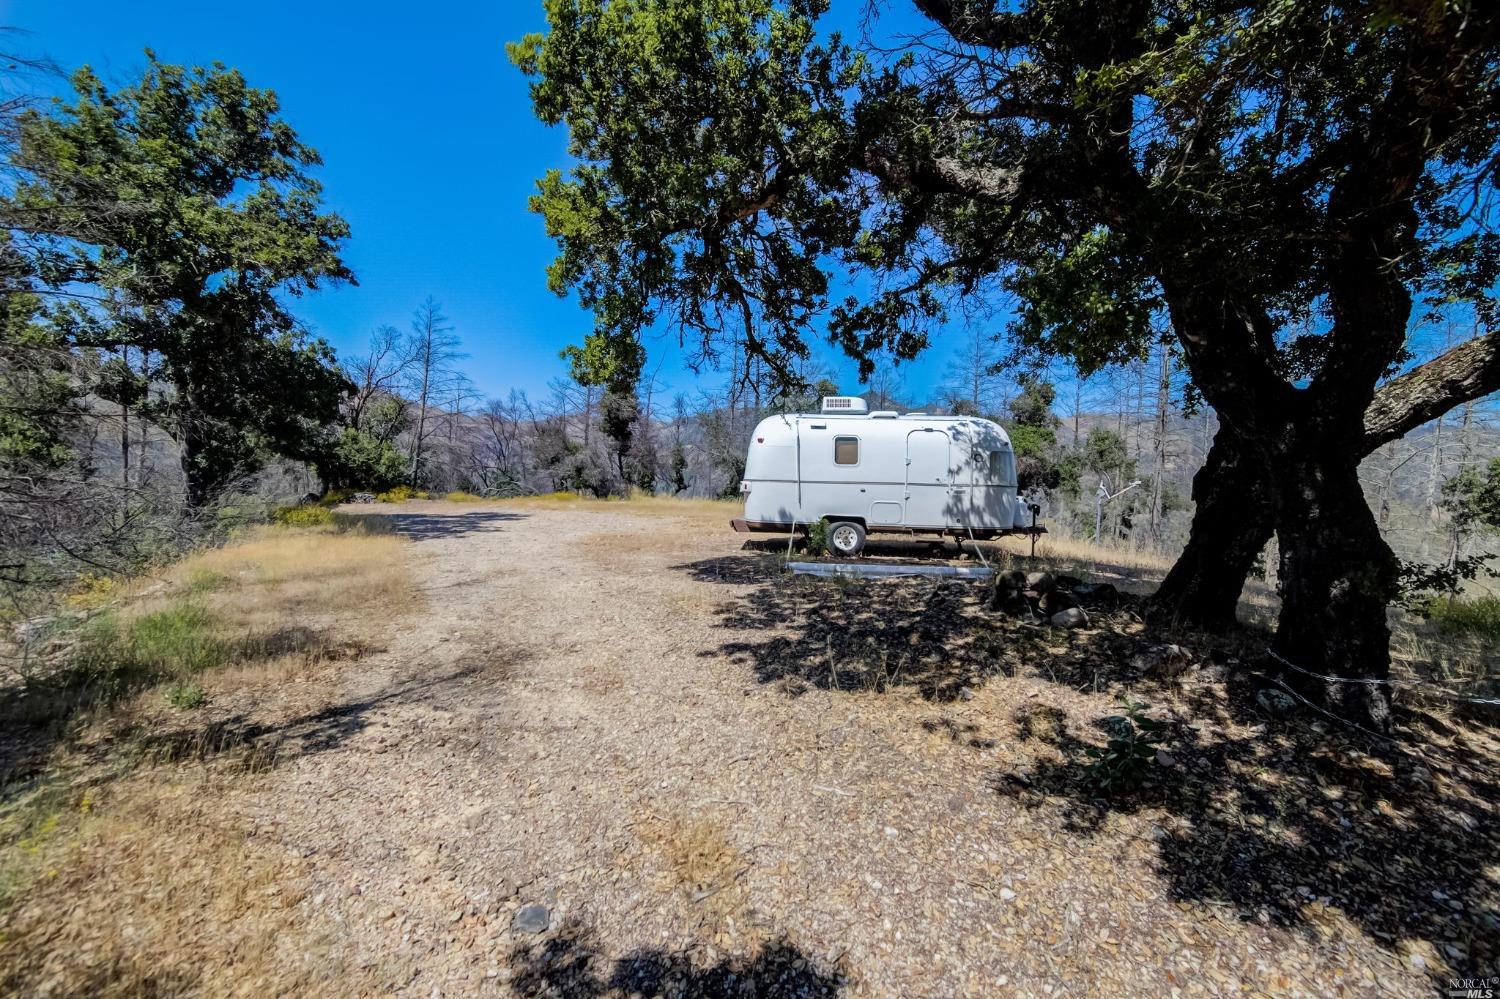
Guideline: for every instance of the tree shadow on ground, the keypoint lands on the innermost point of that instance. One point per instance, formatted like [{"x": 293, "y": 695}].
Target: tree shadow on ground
[
  {"x": 257, "y": 745},
  {"x": 1304, "y": 827},
  {"x": 1287, "y": 821},
  {"x": 431, "y": 526},
  {"x": 569, "y": 963},
  {"x": 35, "y": 720}
]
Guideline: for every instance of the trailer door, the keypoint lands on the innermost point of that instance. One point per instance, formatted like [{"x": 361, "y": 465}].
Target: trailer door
[{"x": 929, "y": 478}]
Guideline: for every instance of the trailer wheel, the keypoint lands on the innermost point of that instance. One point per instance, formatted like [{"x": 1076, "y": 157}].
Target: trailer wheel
[{"x": 845, "y": 538}]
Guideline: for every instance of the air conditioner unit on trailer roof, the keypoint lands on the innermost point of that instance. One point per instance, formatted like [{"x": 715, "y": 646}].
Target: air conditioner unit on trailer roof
[{"x": 844, "y": 404}]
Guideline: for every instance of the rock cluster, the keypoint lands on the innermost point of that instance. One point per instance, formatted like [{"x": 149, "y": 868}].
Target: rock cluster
[{"x": 1058, "y": 600}]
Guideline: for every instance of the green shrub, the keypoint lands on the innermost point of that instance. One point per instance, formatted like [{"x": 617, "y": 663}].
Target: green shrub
[
  {"x": 334, "y": 497},
  {"x": 184, "y": 695},
  {"x": 1124, "y": 761},
  {"x": 1479, "y": 615},
  {"x": 817, "y": 537},
  {"x": 180, "y": 639},
  {"x": 304, "y": 515},
  {"x": 460, "y": 496},
  {"x": 113, "y": 658}
]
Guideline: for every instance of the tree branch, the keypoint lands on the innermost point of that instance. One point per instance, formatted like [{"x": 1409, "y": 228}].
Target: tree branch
[
  {"x": 944, "y": 175},
  {"x": 1469, "y": 371},
  {"x": 977, "y": 23}
]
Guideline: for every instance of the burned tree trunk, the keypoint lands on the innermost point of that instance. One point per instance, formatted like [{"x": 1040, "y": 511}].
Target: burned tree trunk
[
  {"x": 1235, "y": 499},
  {"x": 1337, "y": 577}
]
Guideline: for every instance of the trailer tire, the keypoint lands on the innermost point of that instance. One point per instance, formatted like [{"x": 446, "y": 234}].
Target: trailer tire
[{"x": 845, "y": 538}]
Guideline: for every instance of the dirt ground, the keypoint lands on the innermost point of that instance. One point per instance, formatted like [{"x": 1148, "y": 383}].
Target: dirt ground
[{"x": 716, "y": 780}]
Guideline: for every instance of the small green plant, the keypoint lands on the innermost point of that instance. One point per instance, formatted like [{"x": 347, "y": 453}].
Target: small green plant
[
  {"x": 817, "y": 537},
  {"x": 1123, "y": 762},
  {"x": 304, "y": 515},
  {"x": 204, "y": 581},
  {"x": 1478, "y": 615},
  {"x": 460, "y": 496},
  {"x": 336, "y": 496},
  {"x": 184, "y": 695}
]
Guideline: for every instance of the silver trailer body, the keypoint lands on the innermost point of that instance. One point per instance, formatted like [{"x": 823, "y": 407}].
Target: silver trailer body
[{"x": 912, "y": 474}]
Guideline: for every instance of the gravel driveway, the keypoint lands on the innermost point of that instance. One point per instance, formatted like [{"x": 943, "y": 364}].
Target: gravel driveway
[{"x": 570, "y": 776}]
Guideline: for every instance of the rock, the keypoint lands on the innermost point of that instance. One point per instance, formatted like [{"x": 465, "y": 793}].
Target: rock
[
  {"x": 1055, "y": 601},
  {"x": 363, "y": 497},
  {"x": 1100, "y": 594},
  {"x": 1073, "y": 617},
  {"x": 1168, "y": 661},
  {"x": 1165, "y": 758},
  {"x": 1007, "y": 593},
  {"x": 965, "y": 694},
  {"x": 531, "y": 918},
  {"x": 1007, "y": 894},
  {"x": 1276, "y": 703},
  {"x": 1041, "y": 582},
  {"x": 1068, "y": 582}
]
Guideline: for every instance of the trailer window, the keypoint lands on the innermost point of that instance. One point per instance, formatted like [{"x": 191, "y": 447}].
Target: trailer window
[
  {"x": 1001, "y": 471},
  {"x": 846, "y": 450}
]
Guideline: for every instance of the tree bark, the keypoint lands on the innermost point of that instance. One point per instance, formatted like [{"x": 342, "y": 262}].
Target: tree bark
[
  {"x": 1337, "y": 578},
  {"x": 1235, "y": 515}
]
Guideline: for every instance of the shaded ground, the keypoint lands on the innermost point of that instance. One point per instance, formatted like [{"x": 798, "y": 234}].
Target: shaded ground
[{"x": 719, "y": 780}]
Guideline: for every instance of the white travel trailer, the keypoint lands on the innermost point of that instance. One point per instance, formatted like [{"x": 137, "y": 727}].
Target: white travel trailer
[{"x": 864, "y": 472}]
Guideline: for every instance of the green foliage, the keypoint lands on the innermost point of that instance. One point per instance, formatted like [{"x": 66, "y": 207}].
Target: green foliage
[
  {"x": 304, "y": 515},
  {"x": 1125, "y": 760},
  {"x": 38, "y": 396},
  {"x": 679, "y": 465},
  {"x": 184, "y": 695},
  {"x": 1420, "y": 586},
  {"x": 358, "y": 459},
  {"x": 114, "y": 658},
  {"x": 186, "y": 203},
  {"x": 1106, "y": 453},
  {"x": 1475, "y": 615},
  {"x": 204, "y": 581},
  {"x": 1032, "y": 407},
  {"x": 817, "y": 538},
  {"x": 672, "y": 107},
  {"x": 1472, "y": 497}
]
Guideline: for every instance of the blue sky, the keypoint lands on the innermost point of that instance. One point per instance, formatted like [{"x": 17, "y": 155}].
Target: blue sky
[{"x": 430, "y": 152}]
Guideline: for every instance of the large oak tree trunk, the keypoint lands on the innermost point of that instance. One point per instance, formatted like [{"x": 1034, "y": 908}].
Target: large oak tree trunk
[
  {"x": 1337, "y": 578},
  {"x": 1235, "y": 498}
]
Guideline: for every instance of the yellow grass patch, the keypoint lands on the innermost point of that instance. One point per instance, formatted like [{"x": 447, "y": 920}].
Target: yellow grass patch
[
  {"x": 699, "y": 861},
  {"x": 151, "y": 892}
]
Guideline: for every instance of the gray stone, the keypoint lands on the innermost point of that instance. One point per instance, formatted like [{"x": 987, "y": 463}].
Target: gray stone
[
  {"x": 1276, "y": 703},
  {"x": 531, "y": 918},
  {"x": 1103, "y": 594},
  {"x": 1040, "y": 582},
  {"x": 1007, "y": 593},
  {"x": 1073, "y": 617},
  {"x": 1055, "y": 601}
]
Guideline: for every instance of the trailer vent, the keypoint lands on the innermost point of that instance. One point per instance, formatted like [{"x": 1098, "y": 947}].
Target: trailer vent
[{"x": 844, "y": 404}]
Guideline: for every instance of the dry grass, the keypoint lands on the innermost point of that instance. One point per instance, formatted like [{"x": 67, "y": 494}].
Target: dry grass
[
  {"x": 700, "y": 863},
  {"x": 118, "y": 877},
  {"x": 145, "y": 891},
  {"x": 1094, "y": 558}
]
